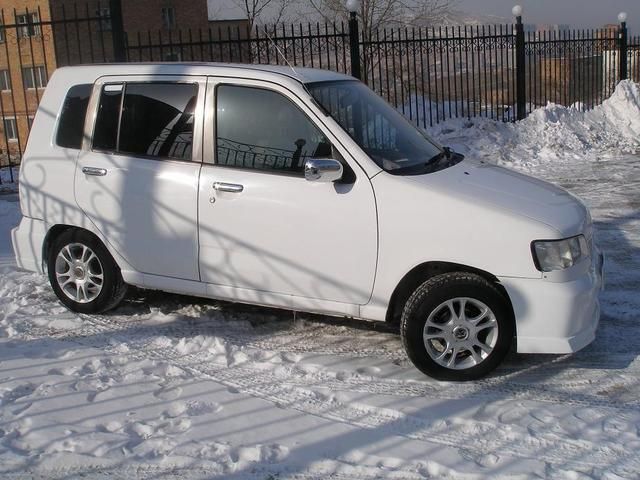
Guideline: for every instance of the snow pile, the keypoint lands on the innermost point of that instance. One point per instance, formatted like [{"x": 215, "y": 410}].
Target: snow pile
[{"x": 553, "y": 133}]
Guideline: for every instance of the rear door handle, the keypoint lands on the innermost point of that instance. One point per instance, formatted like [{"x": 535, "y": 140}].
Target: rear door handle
[
  {"x": 228, "y": 187},
  {"x": 93, "y": 171}
]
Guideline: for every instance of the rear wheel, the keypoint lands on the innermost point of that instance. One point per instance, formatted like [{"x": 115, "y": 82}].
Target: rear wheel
[
  {"x": 457, "y": 326},
  {"x": 82, "y": 273}
]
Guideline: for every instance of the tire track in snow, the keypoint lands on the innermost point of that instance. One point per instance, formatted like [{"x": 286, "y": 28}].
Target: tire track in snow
[
  {"x": 476, "y": 439},
  {"x": 566, "y": 390},
  {"x": 160, "y": 472}
]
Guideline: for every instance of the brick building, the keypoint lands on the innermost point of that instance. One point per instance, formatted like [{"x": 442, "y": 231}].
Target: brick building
[
  {"x": 25, "y": 64},
  {"x": 40, "y": 35}
]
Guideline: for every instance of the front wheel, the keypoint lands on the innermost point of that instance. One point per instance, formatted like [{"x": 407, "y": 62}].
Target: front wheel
[
  {"x": 457, "y": 326},
  {"x": 82, "y": 273}
]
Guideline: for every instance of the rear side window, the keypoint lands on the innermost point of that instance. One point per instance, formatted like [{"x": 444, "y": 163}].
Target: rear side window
[
  {"x": 147, "y": 119},
  {"x": 105, "y": 134},
  {"x": 74, "y": 110}
]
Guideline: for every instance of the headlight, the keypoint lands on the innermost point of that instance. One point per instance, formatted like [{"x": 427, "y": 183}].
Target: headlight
[{"x": 551, "y": 255}]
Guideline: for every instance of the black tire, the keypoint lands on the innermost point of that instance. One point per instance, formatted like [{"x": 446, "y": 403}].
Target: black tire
[
  {"x": 428, "y": 299},
  {"x": 112, "y": 289}
]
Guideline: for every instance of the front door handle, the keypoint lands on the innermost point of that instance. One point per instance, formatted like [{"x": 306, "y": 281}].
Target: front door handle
[
  {"x": 93, "y": 171},
  {"x": 228, "y": 187}
]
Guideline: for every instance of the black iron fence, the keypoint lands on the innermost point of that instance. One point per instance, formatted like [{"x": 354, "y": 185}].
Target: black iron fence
[{"x": 501, "y": 72}]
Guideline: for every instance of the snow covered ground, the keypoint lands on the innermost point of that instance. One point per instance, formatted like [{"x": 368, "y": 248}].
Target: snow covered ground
[
  {"x": 8, "y": 177},
  {"x": 175, "y": 387}
]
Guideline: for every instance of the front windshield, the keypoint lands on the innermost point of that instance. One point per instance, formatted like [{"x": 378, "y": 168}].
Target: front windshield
[{"x": 383, "y": 133}]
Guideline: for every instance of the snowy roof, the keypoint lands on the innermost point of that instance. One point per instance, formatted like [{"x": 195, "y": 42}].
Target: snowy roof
[{"x": 225, "y": 10}]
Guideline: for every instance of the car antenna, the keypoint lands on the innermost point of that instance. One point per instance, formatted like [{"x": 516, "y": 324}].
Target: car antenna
[{"x": 284, "y": 57}]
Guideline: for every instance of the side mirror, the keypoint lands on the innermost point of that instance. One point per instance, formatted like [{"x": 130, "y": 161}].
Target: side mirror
[{"x": 322, "y": 170}]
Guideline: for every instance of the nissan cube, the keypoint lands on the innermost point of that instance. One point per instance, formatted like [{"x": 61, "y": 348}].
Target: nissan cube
[{"x": 299, "y": 189}]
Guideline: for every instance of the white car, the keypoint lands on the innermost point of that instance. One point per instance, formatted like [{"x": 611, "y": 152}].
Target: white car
[{"x": 304, "y": 190}]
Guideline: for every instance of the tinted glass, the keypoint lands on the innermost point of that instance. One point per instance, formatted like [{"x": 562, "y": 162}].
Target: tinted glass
[
  {"x": 263, "y": 130},
  {"x": 157, "y": 119},
  {"x": 71, "y": 122},
  {"x": 105, "y": 133},
  {"x": 384, "y": 134}
]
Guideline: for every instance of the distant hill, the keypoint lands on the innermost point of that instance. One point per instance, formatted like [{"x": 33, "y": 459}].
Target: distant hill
[
  {"x": 459, "y": 17},
  {"x": 232, "y": 10}
]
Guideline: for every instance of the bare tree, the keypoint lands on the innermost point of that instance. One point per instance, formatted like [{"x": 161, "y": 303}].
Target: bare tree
[
  {"x": 375, "y": 14},
  {"x": 266, "y": 11},
  {"x": 377, "y": 19}
]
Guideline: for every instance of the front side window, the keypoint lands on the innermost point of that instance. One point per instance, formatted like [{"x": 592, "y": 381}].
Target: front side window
[
  {"x": 389, "y": 139},
  {"x": 147, "y": 119},
  {"x": 261, "y": 129},
  {"x": 72, "y": 115},
  {"x": 34, "y": 77}
]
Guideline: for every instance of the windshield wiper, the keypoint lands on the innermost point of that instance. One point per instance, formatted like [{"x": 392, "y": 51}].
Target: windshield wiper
[{"x": 445, "y": 153}]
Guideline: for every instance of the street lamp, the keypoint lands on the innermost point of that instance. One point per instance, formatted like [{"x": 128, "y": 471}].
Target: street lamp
[
  {"x": 517, "y": 11},
  {"x": 521, "y": 101},
  {"x": 623, "y": 45},
  {"x": 353, "y": 6},
  {"x": 354, "y": 37}
]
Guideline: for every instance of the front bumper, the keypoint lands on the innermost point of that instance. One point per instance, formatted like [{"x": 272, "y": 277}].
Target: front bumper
[{"x": 557, "y": 317}]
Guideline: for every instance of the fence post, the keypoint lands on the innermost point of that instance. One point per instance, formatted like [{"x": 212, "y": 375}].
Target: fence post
[
  {"x": 521, "y": 94},
  {"x": 623, "y": 46},
  {"x": 117, "y": 31},
  {"x": 354, "y": 42}
]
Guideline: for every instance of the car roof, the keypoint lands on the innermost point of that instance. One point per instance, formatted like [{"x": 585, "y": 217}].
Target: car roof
[{"x": 301, "y": 74}]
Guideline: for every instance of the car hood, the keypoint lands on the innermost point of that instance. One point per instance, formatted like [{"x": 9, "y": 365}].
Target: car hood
[{"x": 483, "y": 183}]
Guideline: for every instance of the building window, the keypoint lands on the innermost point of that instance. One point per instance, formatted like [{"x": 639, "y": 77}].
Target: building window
[
  {"x": 30, "y": 25},
  {"x": 5, "y": 81},
  {"x": 168, "y": 17},
  {"x": 34, "y": 77},
  {"x": 104, "y": 14},
  {"x": 2, "y": 33},
  {"x": 10, "y": 129},
  {"x": 172, "y": 57}
]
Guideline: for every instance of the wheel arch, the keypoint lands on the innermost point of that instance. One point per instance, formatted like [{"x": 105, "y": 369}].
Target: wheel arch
[
  {"x": 55, "y": 231},
  {"x": 423, "y": 272}
]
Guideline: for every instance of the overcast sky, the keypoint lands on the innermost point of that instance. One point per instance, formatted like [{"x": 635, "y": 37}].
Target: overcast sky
[{"x": 578, "y": 13}]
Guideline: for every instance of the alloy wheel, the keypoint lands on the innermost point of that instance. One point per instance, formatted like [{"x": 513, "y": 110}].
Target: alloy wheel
[
  {"x": 460, "y": 333},
  {"x": 79, "y": 273}
]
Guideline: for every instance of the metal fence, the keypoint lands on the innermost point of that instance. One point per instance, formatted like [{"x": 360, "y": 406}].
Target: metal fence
[
  {"x": 633, "y": 58},
  {"x": 501, "y": 72}
]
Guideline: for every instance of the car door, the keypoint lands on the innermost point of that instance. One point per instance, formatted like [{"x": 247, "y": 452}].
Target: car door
[
  {"x": 262, "y": 226},
  {"x": 137, "y": 176}
]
